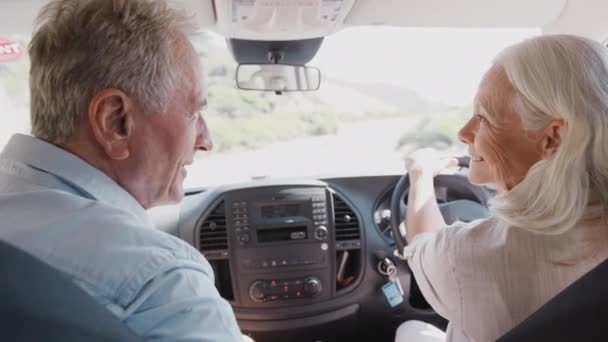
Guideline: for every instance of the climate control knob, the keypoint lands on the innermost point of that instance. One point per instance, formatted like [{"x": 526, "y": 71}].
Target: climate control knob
[
  {"x": 257, "y": 291},
  {"x": 321, "y": 233},
  {"x": 312, "y": 286}
]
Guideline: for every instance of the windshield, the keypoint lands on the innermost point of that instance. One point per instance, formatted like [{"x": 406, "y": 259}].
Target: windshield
[{"x": 384, "y": 93}]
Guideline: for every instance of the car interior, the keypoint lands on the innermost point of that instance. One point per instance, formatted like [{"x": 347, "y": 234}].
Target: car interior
[{"x": 306, "y": 258}]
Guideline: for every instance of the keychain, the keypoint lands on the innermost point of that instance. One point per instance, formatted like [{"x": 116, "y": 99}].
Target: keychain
[{"x": 393, "y": 291}]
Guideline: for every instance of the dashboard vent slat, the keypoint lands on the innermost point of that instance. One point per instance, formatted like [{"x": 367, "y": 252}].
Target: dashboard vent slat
[
  {"x": 213, "y": 234},
  {"x": 345, "y": 221}
]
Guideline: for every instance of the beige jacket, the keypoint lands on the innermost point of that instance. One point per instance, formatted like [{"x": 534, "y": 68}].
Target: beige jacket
[{"x": 486, "y": 277}]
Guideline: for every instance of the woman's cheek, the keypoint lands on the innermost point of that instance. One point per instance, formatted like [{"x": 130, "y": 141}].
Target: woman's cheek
[{"x": 496, "y": 158}]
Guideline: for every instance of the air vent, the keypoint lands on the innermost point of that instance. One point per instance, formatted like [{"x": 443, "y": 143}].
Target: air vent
[
  {"x": 346, "y": 222},
  {"x": 212, "y": 233}
]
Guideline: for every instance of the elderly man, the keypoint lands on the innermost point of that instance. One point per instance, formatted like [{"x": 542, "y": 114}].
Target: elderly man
[
  {"x": 538, "y": 134},
  {"x": 117, "y": 95}
]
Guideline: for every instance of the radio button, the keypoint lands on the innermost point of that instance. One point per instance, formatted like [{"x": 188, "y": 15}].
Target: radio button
[{"x": 244, "y": 238}]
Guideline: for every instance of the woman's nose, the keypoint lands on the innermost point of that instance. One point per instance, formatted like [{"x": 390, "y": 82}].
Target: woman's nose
[{"x": 466, "y": 133}]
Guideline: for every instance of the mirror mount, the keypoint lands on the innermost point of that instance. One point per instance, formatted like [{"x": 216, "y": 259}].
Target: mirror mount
[{"x": 275, "y": 57}]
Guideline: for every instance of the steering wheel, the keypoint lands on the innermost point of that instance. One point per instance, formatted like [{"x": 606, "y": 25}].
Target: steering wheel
[{"x": 474, "y": 209}]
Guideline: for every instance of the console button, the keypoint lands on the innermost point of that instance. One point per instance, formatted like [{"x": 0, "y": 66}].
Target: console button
[{"x": 244, "y": 238}]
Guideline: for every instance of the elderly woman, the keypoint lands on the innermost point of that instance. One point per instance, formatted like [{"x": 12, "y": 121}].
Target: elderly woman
[{"x": 539, "y": 135}]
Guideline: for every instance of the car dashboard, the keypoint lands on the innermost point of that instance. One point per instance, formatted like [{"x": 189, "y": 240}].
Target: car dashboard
[{"x": 298, "y": 259}]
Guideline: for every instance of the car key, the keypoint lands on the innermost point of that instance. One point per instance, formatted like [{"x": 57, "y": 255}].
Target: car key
[
  {"x": 392, "y": 290},
  {"x": 387, "y": 267}
]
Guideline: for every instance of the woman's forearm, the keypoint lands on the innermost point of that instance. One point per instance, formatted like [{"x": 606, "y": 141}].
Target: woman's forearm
[{"x": 423, "y": 214}]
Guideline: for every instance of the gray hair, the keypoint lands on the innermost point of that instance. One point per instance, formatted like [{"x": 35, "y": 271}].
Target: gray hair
[
  {"x": 83, "y": 46},
  {"x": 559, "y": 77}
]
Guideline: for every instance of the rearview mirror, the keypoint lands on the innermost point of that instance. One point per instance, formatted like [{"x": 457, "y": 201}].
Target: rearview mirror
[{"x": 277, "y": 77}]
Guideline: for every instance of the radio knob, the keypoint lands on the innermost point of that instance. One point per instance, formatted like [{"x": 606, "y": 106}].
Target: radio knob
[
  {"x": 312, "y": 286},
  {"x": 321, "y": 233},
  {"x": 257, "y": 291}
]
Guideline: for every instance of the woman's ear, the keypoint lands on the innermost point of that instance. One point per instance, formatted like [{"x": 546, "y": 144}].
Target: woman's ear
[
  {"x": 111, "y": 119},
  {"x": 552, "y": 137}
]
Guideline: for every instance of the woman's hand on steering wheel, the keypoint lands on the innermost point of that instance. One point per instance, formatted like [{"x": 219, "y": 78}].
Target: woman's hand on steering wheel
[{"x": 427, "y": 162}]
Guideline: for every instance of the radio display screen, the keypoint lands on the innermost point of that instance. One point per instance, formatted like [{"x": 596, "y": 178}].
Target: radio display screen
[
  {"x": 282, "y": 234},
  {"x": 280, "y": 210}
]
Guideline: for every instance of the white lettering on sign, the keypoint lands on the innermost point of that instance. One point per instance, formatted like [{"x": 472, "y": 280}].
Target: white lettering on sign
[{"x": 9, "y": 50}]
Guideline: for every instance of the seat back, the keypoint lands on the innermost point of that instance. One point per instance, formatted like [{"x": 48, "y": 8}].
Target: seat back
[
  {"x": 578, "y": 313},
  {"x": 38, "y": 303}
]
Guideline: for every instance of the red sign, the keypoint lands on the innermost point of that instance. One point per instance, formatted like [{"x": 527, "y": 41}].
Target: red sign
[{"x": 9, "y": 50}]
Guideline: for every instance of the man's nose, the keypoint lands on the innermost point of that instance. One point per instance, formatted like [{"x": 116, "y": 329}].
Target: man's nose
[
  {"x": 203, "y": 139},
  {"x": 466, "y": 133}
]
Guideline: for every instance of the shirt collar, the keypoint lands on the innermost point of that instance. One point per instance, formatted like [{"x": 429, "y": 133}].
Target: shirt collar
[{"x": 75, "y": 172}]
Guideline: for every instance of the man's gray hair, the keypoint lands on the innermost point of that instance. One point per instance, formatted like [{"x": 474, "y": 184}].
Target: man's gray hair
[
  {"x": 559, "y": 77},
  {"x": 84, "y": 46}
]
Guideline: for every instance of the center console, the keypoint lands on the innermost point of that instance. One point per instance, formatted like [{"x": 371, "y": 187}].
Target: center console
[{"x": 282, "y": 249}]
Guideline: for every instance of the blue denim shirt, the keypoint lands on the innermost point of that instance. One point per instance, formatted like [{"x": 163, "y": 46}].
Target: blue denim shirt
[{"x": 62, "y": 210}]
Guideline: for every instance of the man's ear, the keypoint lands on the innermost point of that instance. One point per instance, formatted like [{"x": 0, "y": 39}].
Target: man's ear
[
  {"x": 111, "y": 119},
  {"x": 552, "y": 137}
]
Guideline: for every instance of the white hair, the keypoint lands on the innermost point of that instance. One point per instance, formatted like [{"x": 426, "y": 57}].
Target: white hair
[
  {"x": 559, "y": 77},
  {"x": 83, "y": 46}
]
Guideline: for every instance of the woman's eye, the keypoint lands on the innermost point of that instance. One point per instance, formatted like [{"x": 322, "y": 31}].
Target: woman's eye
[{"x": 482, "y": 118}]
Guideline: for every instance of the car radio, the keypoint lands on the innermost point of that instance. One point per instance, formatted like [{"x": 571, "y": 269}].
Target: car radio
[
  {"x": 280, "y": 220},
  {"x": 281, "y": 236}
]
